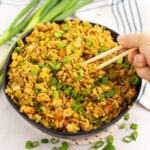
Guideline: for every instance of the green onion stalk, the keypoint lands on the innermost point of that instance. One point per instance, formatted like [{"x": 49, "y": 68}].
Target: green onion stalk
[{"x": 6, "y": 35}]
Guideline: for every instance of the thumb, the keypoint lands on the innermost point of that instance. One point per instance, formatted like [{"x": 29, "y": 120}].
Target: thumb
[{"x": 130, "y": 40}]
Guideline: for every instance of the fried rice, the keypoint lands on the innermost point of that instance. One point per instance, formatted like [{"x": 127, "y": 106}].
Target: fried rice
[{"x": 50, "y": 83}]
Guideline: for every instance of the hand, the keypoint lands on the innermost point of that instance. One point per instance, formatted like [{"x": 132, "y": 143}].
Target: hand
[{"x": 141, "y": 58}]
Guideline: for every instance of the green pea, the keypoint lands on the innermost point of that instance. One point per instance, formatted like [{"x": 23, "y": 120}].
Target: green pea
[
  {"x": 53, "y": 81},
  {"x": 66, "y": 27},
  {"x": 67, "y": 60},
  {"x": 72, "y": 49},
  {"x": 37, "y": 92},
  {"x": 58, "y": 34},
  {"x": 18, "y": 49},
  {"x": 59, "y": 86},
  {"x": 68, "y": 90},
  {"x": 77, "y": 67},
  {"x": 55, "y": 94},
  {"x": 34, "y": 71},
  {"x": 40, "y": 64},
  {"x": 61, "y": 45},
  {"x": 79, "y": 78}
]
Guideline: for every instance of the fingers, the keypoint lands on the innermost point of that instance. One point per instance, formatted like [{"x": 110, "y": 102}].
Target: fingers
[
  {"x": 130, "y": 40},
  {"x": 139, "y": 61},
  {"x": 131, "y": 56},
  {"x": 144, "y": 72}
]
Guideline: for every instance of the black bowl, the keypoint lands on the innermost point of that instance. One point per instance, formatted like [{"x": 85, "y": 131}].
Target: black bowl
[{"x": 51, "y": 131}]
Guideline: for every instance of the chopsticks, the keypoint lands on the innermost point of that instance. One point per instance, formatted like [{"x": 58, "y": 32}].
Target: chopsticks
[{"x": 110, "y": 61}]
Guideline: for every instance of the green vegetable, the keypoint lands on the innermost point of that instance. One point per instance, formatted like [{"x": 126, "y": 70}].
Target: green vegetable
[
  {"x": 68, "y": 90},
  {"x": 134, "y": 80},
  {"x": 104, "y": 48},
  {"x": 44, "y": 141},
  {"x": 110, "y": 93},
  {"x": 109, "y": 147},
  {"x": 40, "y": 64},
  {"x": 134, "y": 135},
  {"x": 48, "y": 8},
  {"x": 53, "y": 81},
  {"x": 18, "y": 49},
  {"x": 92, "y": 120},
  {"x": 79, "y": 78},
  {"x": 22, "y": 63},
  {"x": 55, "y": 11},
  {"x": 102, "y": 96},
  {"x": 54, "y": 148},
  {"x": 48, "y": 57},
  {"x": 127, "y": 139},
  {"x": 120, "y": 61},
  {"x": 28, "y": 145},
  {"x": 54, "y": 141},
  {"x": 59, "y": 86},
  {"x": 77, "y": 67},
  {"x": 58, "y": 67},
  {"x": 98, "y": 145},
  {"x": 89, "y": 42},
  {"x": 74, "y": 94},
  {"x": 134, "y": 126},
  {"x": 127, "y": 116},
  {"x": 13, "y": 27},
  {"x": 37, "y": 92},
  {"x": 99, "y": 52},
  {"x": 67, "y": 60},
  {"x": 35, "y": 144},
  {"x": 72, "y": 9},
  {"x": 34, "y": 71},
  {"x": 86, "y": 91},
  {"x": 126, "y": 65},
  {"x": 61, "y": 45},
  {"x": 104, "y": 80},
  {"x": 72, "y": 49},
  {"x": 64, "y": 146},
  {"x": 110, "y": 139},
  {"x": 55, "y": 94},
  {"x": 122, "y": 126},
  {"x": 58, "y": 34},
  {"x": 76, "y": 106},
  {"x": 40, "y": 109},
  {"x": 65, "y": 27}
]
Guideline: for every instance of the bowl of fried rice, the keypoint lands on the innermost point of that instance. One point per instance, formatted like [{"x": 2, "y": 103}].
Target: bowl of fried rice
[{"x": 49, "y": 85}]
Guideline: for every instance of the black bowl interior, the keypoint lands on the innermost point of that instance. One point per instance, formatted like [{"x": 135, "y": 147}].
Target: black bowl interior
[{"x": 51, "y": 131}]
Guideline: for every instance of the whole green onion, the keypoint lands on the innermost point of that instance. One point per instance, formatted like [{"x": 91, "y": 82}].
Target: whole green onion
[{"x": 71, "y": 10}]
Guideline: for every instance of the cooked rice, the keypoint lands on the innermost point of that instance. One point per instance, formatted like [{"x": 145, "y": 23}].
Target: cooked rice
[{"x": 33, "y": 93}]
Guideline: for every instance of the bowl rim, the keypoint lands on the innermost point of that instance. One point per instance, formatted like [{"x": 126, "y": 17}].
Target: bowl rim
[{"x": 49, "y": 130}]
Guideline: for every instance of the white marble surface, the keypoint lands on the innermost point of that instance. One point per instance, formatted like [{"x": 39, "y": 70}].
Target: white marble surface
[{"x": 14, "y": 130}]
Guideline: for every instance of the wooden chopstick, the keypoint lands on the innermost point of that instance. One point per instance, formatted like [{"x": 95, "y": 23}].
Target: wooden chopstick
[
  {"x": 104, "y": 54},
  {"x": 110, "y": 61}
]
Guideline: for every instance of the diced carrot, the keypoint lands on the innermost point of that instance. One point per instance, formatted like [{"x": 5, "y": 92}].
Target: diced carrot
[
  {"x": 65, "y": 123},
  {"x": 84, "y": 58},
  {"x": 108, "y": 102},
  {"x": 108, "y": 107},
  {"x": 62, "y": 53},
  {"x": 58, "y": 117},
  {"x": 39, "y": 60},
  {"x": 33, "y": 111}
]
